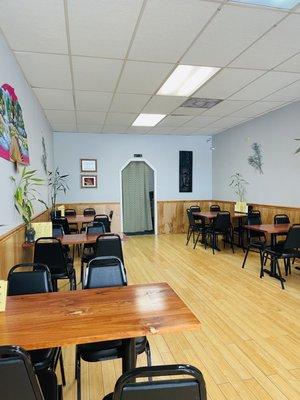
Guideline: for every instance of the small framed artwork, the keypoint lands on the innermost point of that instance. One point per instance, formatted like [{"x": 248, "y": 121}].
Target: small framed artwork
[
  {"x": 88, "y": 181},
  {"x": 88, "y": 165}
]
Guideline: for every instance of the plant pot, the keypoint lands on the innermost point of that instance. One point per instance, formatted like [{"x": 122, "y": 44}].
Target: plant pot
[{"x": 29, "y": 235}]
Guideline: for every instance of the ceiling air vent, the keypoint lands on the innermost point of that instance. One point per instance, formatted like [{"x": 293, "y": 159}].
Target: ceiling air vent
[{"x": 195, "y": 102}]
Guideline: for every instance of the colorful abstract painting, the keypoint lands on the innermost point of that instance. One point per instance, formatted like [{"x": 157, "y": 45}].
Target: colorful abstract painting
[{"x": 13, "y": 137}]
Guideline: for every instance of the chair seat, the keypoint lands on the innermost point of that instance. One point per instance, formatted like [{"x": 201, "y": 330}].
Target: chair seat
[
  {"x": 279, "y": 251},
  {"x": 93, "y": 352},
  {"x": 42, "y": 359},
  {"x": 59, "y": 273},
  {"x": 86, "y": 257},
  {"x": 48, "y": 383}
]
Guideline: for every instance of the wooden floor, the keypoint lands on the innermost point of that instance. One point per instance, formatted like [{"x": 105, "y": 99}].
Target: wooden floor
[{"x": 249, "y": 343}]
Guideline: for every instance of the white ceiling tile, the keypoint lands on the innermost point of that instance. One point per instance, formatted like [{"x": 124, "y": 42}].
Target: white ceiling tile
[
  {"x": 184, "y": 130},
  {"x": 102, "y": 28},
  {"x": 259, "y": 108},
  {"x": 114, "y": 129},
  {"x": 138, "y": 129},
  {"x": 60, "y": 117},
  {"x": 120, "y": 119},
  {"x": 84, "y": 128},
  {"x": 163, "y": 104},
  {"x": 265, "y": 85},
  {"x": 161, "y": 130},
  {"x": 276, "y": 46},
  {"x": 201, "y": 121},
  {"x": 61, "y": 127},
  {"x": 46, "y": 70},
  {"x": 143, "y": 77},
  {"x": 230, "y": 32},
  {"x": 175, "y": 120},
  {"x": 291, "y": 65},
  {"x": 34, "y": 25},
  {"x": 96, "y": 74},
  {"x": 227, "y": 122},
  {"x": 188, "y": 111},
  {"x": 168, "y": 27},
  {"x": 289, "y": 93},
  {"x": 92, "y": 101},
  {"x": 227, "y": 107},
  {"x": 226, "y": 82},
  {"x": 90, "y": 117},
  {"x": 131, "y": 103},
  {"x": 55, "y": 98}
]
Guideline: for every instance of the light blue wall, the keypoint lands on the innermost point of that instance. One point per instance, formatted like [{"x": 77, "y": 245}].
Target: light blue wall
[
  {"x": 36, "y": 126},
  {"x": 114, "y": 151},
  {"x": 276, "y": 131}
]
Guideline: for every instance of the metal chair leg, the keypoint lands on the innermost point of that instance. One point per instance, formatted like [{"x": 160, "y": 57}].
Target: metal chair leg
[
  {"x": 246, "y": 256},
  {"x": 78, "y": 374},
  {"x": 197, "y": 239},
  {"x": 279, "y": 273},
  {"x": 62, "y": 369}
]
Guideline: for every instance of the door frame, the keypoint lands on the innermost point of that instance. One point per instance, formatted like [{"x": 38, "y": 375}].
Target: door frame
[{"x": 155, "y": 191}]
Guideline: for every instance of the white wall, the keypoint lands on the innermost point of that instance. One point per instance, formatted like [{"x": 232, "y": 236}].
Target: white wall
[
  {"x": 276, "y": 131},
  {"x": 36, "y": 126},
  {"x": 113, "y": 152}
]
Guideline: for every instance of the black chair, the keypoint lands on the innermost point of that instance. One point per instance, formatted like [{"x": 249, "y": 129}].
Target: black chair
[
  {"x": 49, "y": 251},
  {"x": 64, "y": 223},
  {"x": 105, "y": 272},
  {"x": 193, "y": 228},
  {"x": 220, "y": 226},
  {"x": 197, "y": 218},
  {"x": 286, "y": 250},
  {"x": 89, "y": 211},
  {"x": 57, "y": 230},
  {"x": 191, "y": 387},
  {"x": 256, "y": 241},
  {"x": 109, "y": 245},
  {"x": 31, "y": 278},
  {"x": 214, "y": 208},
  {"x": 88, "y": 252},
  {"x": 19, "y": 381},
  {"x": 280, "y": 219},
  {"x": 111, "y": 213},
  {"x": 103, "y": 219},
  {"x": 71, "y": 212}
]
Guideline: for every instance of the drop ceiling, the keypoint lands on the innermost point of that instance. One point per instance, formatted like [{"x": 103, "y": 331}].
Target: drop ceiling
[{"x": 94, "y": 65}]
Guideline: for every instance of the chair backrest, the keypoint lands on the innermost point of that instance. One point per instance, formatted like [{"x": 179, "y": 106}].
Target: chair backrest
[
  {"x": 281, "y": 219},
  {"x": 214, "y": 208},
  {"x": 29, "y": 278},
  {"x": 17, "y": 378},
  {"x": 89, "y": 211},
  {"x": 190, "y": 217},
  {"x": 292, "y": 240},
  {"x": 109, "y": 245},
  {"x": 104, "y": 219},
  {"x": 111, "y": 213},
  {"x": 57, "y": 230},
  {"x": 195, "y": 208},
  {"x": 105, "y": 272},
  {"x": 222, "y": 221},
  {"x": 254, "y": 218},
  {"x": 49, "y": 251},
  {"x": 96, "y": 229},
  {"x": 63, "y": 222},
  {"x": 70, "y": 212},
  {"x": 192, "y": 387}
]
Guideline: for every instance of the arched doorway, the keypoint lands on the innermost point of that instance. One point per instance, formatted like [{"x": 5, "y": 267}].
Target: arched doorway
[{"x": 138, "y": 205}]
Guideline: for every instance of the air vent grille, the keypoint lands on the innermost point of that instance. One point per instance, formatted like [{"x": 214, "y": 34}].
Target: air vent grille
[{"x": 195, "y": 102}]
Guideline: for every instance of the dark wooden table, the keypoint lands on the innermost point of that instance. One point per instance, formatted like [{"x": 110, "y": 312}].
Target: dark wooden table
[
  {"x": 272, "y": 230},
  {"x": 84, "y": 316},
  {"x": 80, "y": 218}
]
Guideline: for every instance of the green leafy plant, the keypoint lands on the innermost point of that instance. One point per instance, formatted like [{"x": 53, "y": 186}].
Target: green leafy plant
[
  {"x": 26, "y": 193},
  {"x": 239, "y": 185},
  {"x": 58, "y": 183}
]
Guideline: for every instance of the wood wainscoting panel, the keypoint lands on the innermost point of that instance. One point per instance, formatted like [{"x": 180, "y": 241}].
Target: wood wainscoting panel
[{"x": 11, "y": 250}]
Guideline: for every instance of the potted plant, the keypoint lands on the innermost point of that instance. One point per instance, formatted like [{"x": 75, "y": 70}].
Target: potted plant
[
  {"x": 24, "y": 196},
  {"x": 58, "y": 183},
  {"x": 239, "y": 185}
]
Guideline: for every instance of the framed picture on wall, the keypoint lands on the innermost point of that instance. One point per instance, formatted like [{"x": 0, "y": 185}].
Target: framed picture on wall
[
  {"x": 88, "y": 181},
  {"x": 88, "y": 165}
]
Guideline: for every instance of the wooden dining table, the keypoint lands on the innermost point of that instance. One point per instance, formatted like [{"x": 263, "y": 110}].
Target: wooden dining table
[
  {"x": 60, "y": 319},
  {"x": 80, "y": 219}
]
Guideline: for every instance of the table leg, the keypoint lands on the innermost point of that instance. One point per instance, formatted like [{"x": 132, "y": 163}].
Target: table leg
[
  {"x": 272, "y": 271},
  {"x": 129, "y": 359}
]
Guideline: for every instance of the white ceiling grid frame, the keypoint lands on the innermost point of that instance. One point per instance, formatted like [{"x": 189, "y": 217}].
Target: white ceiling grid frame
[{"x": 55, "y": 99}]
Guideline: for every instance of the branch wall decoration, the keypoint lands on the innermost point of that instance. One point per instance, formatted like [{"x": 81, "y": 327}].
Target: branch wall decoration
[
  {"x": 256, "y": 159},
  {"x": 298, "y": 150},
  {"x": 185, "y": 171}
]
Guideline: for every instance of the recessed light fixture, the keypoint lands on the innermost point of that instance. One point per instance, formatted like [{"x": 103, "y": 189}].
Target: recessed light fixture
[
  {"x": 148, "y": 119},
  {"x": 284, "y": 4},
  {"x": 186, "y": 79}
]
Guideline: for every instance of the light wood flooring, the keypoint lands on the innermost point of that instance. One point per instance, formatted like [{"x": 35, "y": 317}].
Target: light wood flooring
[{"x": 248, "y": 345}]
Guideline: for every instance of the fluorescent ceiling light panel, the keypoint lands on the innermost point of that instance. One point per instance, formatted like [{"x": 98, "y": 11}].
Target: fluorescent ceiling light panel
[
  {"x": 148, "y": 119},
  {"x": 284, "y": 4},
  {"x": 186, "y": 79}
]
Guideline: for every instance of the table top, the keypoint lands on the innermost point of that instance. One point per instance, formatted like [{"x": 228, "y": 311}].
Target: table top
[
  {"x": 269, "y": 228},
  {"x": 213, "y": 214},
  {"x": 85, "y": 316},
  {"x": 79, "y": 218}
]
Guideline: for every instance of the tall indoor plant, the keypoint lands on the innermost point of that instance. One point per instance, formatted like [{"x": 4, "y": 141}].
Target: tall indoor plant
[
  {"x": 24, "y": 196},
  {"x": 238, "y": 183},
  {"x": 58, "y": 183}
]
